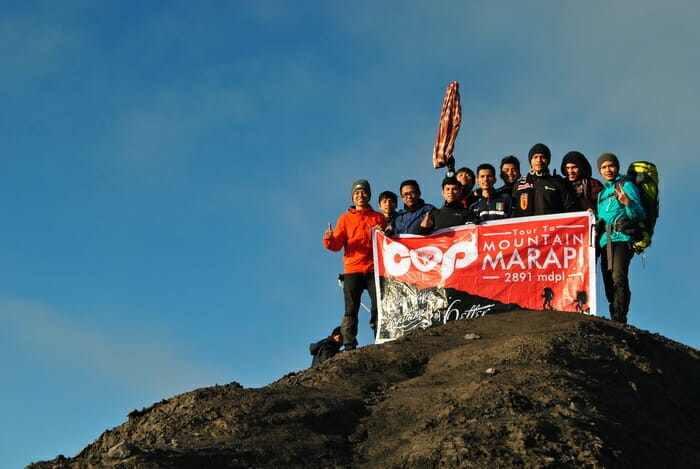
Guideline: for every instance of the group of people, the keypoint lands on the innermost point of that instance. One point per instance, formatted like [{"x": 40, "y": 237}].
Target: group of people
[{"x": 615, "y": 201}]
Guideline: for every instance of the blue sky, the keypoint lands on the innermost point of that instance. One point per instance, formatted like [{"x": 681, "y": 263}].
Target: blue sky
[{"x": 168, "y": 169}]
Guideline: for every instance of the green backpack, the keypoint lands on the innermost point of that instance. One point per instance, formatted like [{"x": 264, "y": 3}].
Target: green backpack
[{"x": 645, "y": 176}]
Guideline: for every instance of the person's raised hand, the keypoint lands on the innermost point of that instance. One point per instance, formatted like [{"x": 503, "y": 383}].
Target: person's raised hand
[
  {"x": 622, "y": 196},
  {"x": 427, "y": 222}
]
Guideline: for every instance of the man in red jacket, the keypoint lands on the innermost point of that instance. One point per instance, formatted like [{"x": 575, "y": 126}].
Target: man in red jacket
[{"x": 353, "y": 232}]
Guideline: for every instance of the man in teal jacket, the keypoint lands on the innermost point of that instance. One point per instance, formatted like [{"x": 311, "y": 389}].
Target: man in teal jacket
[{"x": 619, "y": 211}]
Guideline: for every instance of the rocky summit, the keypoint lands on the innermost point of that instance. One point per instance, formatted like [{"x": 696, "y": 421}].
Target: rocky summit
[{"x": 521, "y": 389}]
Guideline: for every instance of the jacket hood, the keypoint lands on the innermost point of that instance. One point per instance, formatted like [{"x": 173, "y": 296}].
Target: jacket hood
[{"x": 577, "y": 158}]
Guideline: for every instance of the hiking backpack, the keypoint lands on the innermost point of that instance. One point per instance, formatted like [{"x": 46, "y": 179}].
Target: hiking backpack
[{"x": 645, "y": 176}]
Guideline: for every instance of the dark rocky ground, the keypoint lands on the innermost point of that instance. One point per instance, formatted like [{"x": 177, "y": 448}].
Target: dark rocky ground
[{"x": 522, "y": 389}]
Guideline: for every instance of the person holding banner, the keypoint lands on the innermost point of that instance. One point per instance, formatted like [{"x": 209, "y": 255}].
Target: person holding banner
[
  {"x": 452, "y": 213},
  {"x": 577, "y": 170},
  {"x": 353, "y": 233},
  {"x": 619, "y": 209},
  {"x": 539, "y": 192},
  {"x": 414, "y": 208},
  {"x": 491, "y": 204}
]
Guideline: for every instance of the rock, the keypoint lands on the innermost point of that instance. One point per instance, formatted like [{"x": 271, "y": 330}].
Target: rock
[{"x": 122, "y": 450}]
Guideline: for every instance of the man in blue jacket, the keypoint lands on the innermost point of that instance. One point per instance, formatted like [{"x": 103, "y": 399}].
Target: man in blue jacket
[
  {"x": 414, "y": 208},
  {"x": 619, "y": 212}
]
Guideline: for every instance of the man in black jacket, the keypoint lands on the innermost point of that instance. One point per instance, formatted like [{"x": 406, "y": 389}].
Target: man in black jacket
[
  {"x": 452, "y": 213},
  {"x": 326, "y": 348},
  {"x": 539, "y": 192}
]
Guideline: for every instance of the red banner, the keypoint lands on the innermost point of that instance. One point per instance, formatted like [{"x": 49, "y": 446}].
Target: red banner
[{"x": 540, "y": 263}]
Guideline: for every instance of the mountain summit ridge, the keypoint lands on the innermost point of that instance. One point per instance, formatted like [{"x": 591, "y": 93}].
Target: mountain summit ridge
[{"x": 519, "y": 389}]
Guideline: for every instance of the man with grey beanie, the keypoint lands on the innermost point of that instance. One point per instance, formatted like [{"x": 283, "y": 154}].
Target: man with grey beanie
[
  {"x": 619, "y": 211},
  {"x": 353, "y": 233}
]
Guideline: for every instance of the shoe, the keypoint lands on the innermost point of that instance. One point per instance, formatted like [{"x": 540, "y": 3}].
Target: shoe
[{"x": 349, "y": 347}]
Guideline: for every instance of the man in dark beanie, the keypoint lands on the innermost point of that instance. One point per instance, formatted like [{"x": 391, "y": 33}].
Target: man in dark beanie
[
  {"x": 353, "y": 233},
  {"x": 619, "y": 211},
  {"x": 539, "y": 192},
  {"x": 577, "y": 171}
]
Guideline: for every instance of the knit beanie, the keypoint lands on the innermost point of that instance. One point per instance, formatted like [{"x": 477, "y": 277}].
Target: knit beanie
[
  {"x": 539, "y": 148},
  {"x": 360, "y": 184},
  {"x": 608, "y": 157},
  {"x": 577, "y": 158}
]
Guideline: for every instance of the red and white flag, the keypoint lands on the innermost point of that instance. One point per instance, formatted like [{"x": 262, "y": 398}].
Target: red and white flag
[{"x": 450, "y": 120}]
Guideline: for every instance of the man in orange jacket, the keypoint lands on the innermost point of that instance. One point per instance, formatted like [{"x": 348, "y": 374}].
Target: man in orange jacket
[{"x": 353, "y": 232}]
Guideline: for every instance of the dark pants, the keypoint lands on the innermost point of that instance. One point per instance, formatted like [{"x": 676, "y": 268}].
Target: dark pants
[
  {"x": 616, "y": 281},
  {"x": 353, "y": 286}
]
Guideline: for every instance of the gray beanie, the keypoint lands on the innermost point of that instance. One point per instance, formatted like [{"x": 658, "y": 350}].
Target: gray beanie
[
  {"x": 608, "y": 157},
  {"x": 360, "y": 184}
]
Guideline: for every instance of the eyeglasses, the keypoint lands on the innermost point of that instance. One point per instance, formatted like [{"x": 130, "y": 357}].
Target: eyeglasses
[{"x": 412, "y": 193}]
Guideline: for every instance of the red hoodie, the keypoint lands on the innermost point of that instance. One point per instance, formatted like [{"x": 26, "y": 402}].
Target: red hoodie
[{"x": 354, "y": 233}]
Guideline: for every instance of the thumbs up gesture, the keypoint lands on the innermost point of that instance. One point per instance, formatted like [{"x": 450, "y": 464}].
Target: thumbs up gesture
[
  {"x": 427, "y": 222},
  {"x": 328, "y": 234}
]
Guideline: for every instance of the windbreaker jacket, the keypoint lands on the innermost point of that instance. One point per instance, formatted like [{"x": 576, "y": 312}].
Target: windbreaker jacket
[
  {"x": 616, "y": 215},
  {"x": 353, "y": 231}
]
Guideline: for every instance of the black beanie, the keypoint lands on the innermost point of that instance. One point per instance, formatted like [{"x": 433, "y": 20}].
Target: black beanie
[
  {"x": 336, "y": 331},
  {"x": 577, "y": 158},
  {"x": 539, "y": 148},
  {"x": 608, "y": 157},
  {"x": 360, "y": 184}
]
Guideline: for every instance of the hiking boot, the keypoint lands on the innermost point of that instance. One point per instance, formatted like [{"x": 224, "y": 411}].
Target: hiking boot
[{"x": 349, "y": 347}]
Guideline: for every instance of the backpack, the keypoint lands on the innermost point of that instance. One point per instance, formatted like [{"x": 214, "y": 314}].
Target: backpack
[{"x": 645, "y": 176}]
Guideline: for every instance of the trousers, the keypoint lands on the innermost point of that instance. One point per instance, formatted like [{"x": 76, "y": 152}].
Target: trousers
[
  {"x": 616, "y": 280},
  {"x": 353, "y": 286}
]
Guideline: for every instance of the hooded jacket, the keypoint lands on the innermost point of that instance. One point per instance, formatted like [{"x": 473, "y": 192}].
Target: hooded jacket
[
  {"x": 615, "y": 214},
  {"x": 587, "y": 188},
  {"x": 353, "y": 231}
]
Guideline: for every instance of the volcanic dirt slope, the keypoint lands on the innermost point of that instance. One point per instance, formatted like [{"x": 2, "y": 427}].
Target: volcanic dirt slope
[{"x": 522, "y": 389}]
